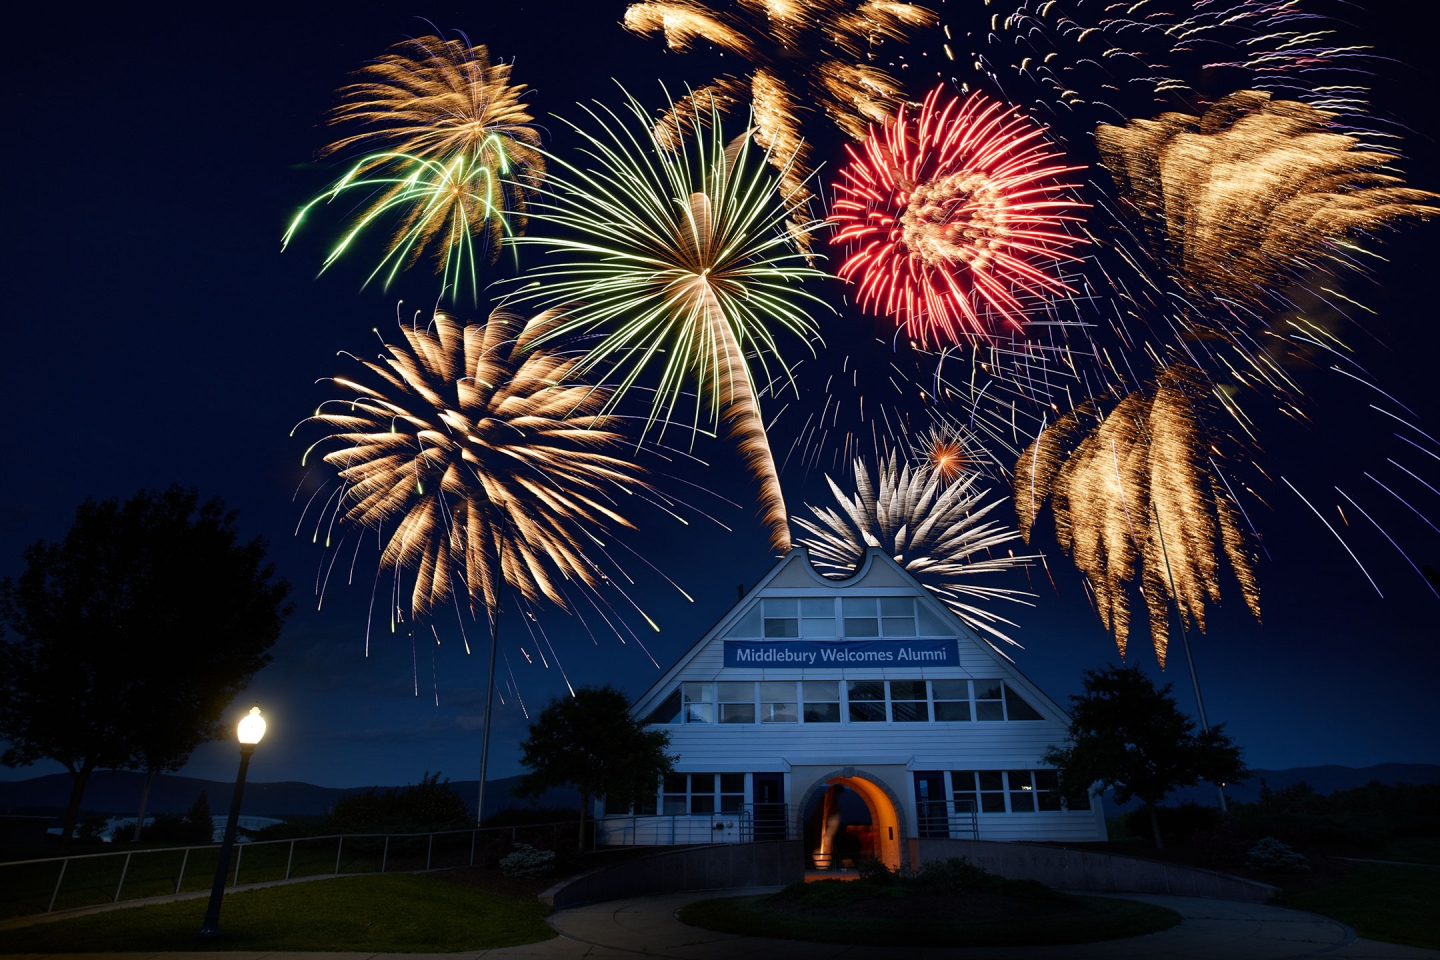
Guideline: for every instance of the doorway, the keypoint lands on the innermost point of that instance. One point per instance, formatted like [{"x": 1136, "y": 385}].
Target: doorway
[{"x": 850, "y": 819}]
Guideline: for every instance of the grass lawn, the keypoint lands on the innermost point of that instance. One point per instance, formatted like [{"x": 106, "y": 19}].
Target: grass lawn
[
  {"x": 390, "y": 912},
  {"x": 1396, "y": 904},
  {"x": 1067, "y": 920}
]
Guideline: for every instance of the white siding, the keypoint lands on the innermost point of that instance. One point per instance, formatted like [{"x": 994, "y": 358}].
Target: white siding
[{"x": 812, "y": 750}]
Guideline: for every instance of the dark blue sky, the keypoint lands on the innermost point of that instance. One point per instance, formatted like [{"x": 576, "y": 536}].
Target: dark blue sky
[{"x": 155, "y": 334}]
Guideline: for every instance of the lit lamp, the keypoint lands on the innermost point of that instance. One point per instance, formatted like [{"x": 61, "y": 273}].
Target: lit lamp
[{"x": 250, "y": 730}]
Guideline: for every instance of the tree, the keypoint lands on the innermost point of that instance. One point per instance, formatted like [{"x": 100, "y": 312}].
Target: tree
[
  {"x": 591, "y": 741},
  {"x": 1126, "y": 734},
  {"x": 130, "y": 636}
]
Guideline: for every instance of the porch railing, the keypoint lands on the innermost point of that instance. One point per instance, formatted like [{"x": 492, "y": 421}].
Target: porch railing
[{"x": 747, "y": 823}]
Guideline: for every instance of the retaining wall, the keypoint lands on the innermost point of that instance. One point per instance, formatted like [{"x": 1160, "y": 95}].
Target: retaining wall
[
  {"x": 1071, "y": 869},
  {"x": 711, "y": 867}
]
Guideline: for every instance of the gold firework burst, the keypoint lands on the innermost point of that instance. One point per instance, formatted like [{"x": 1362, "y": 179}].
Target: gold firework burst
[
  {"x": 1136, "y": 489},
  {"x": 481, "y": 458},
  {"x": 453, "y": 154},
  {"x": 804, "y": 54},
  {"x": 1254, "y": 193}
]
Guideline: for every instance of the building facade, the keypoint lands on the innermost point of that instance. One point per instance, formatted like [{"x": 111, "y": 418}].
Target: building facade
[{"x": 856, "y": 714}]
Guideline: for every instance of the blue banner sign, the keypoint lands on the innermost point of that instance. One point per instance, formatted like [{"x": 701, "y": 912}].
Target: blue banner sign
[{"x": 800, "y": 654}]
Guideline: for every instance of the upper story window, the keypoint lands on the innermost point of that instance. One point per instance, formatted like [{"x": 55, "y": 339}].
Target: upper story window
[
  {"x": 822, "y": 700},
  {"x": 736, "y": 701},
  {"x": 830, "y": 701},
  {"x": 699, "y": 703},
  {"x": 870, "y": 617}
]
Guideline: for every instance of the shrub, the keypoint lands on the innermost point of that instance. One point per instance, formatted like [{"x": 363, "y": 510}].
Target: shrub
[
  {"x": 874, "y": 871},
  {"x": 956, "y": 873},
  {"x": 431, "y": 804},
  {"x": 526, "y": 861},
  {"x": 1271, "y": 854}
]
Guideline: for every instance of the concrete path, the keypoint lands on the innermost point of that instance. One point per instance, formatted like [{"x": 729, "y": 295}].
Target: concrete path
[{"x": 1212, "y": 930}]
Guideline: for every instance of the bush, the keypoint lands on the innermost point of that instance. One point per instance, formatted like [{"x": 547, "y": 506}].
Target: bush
[
  {"x": 526, "y": 816},
  {"x": 874, "y": 871},
  {"x": 431, "y": 804},
  {"x": 1271, "y": 854},
  {"x": 526, "y": 861},
  {"x": 1178, "y": 825},
  {"x": 956, "y": 873}
]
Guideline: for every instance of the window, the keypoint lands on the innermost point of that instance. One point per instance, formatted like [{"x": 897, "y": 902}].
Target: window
[
  {"x": 963, "y": 792},
  {"x": 908, "y": 703},
  {"x": 897, "y": 616},
  {"x": 782, "y": 618},
  {"x": 675, "y": 800},
  {"x": 669, "y": 710},
  {"x": 989, "y": 704},
  {"x": 929, "y": 625},
  {"x": 699, "y": 707},
  {"x": 732, "y": 792},
  {"x": 861, "y": 617},
  {"x": 817, "y": 617},
  {"x": 737, "y": 702},
  {"x": 1022, "y": 791},
  {"x": 822, "y": 701},
  {"x": 952, "y": 699},
  {"x": 992, "y": 790},
  {"x": 1018, "y": 709},
  {"x": 750, "y": 624},
  {"x": 1047, "y": 790},
  {"x": 643, "y": 807},
  {"x": 777, "y": 702},
  {"x": 702, "y": 793},
  {"x": 867, "y": 700}
]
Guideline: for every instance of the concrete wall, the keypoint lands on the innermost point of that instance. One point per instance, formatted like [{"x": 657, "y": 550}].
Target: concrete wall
[
  {"x": 714, "y": 867},
  {"x": 1070, "y": 869}
]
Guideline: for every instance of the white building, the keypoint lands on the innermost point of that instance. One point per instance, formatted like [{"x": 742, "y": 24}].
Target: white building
[{"x": 811, "y": 691}]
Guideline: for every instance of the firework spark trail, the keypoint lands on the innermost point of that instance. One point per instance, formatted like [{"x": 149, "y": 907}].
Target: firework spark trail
[
  {"x": 1137, "y": 494},
  {"x": 457, "y": 156},
  {"x": 937, "y": 531},
  {"x": 948, "y": 211},
  {"x": 679, "y": 259},
  {"x": 1336, "y": 534},
  {"x": 804, "y": 55}
]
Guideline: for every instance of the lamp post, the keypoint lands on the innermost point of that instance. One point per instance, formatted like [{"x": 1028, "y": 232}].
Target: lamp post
[{"x": 250, "y": 730}]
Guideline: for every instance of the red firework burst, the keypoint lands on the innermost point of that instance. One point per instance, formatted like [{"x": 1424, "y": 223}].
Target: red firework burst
[{"x": 951, "y": 214}]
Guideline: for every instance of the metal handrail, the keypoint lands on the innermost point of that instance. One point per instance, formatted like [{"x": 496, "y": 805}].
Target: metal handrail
[
  {"x": 340, "y": 839},
  {"x": 750, "y": 822}
]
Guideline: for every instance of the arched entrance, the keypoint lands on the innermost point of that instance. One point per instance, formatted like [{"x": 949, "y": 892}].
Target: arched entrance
[{"x": 834, "y": 830}]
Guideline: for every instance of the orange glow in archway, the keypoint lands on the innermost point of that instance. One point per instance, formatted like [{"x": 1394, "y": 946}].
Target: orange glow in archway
[{"x": 883, "y": 820}]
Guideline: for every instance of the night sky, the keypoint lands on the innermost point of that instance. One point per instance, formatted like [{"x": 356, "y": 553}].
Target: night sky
[{"x": 155, "y": 334}]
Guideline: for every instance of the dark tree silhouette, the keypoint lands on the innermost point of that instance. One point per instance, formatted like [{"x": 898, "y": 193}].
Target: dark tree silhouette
[
  {"x": 591, "y": 741},
  {"x": 1126, "y": 734},
  {"x": 129, "y": 637}
]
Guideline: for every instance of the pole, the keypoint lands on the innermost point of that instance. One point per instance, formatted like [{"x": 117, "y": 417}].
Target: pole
[
  {"x": 1189, "y": 657},
  {"x": 489, "y": 706},
  {"x": 211, "y": 926}
]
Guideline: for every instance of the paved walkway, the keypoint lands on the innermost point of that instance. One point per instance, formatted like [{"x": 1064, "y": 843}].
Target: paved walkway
[{"x": 1212, "y": 930}]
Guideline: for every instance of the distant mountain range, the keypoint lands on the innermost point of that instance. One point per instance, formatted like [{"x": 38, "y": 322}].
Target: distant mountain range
[
  {"x": 117, "y": 792},
  {"x": 1326, "y": 779}
]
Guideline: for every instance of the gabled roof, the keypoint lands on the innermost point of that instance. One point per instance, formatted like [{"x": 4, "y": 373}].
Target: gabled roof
[{"x": 876, "y": 571}]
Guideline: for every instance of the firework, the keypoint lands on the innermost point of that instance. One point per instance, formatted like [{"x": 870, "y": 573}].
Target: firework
[
  {"x": 677, "y": 259},
  {"x": 951, "y": 213},
  {"x": 454, "y": 155},
  {"x": 1134, "y": 493},
  {"x": 478, "y": 460},
  {"x": 804, "y": 55},
  {"x": 1253, "y": 194},
  {"x": 936, "y": 531}
]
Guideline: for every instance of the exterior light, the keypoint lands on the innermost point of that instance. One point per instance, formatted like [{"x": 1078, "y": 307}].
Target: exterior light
[
  {"x": 250, "y": 730},
  {"x": 252, "y": 727}
]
